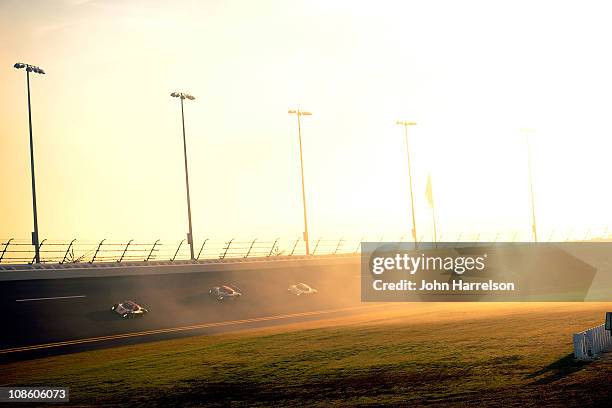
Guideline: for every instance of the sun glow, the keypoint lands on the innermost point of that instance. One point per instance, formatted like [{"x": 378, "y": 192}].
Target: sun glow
[{"x": 108, "y": 142}]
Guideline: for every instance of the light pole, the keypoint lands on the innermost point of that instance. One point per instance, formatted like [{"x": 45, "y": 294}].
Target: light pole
[
  {"x": 405, "y": 124},
  {"x": 182, "y": 97},
  {"x": 299, "y": 113},
  {"x": 534, "y": 230},
  {"x": 32, "y": 68}
]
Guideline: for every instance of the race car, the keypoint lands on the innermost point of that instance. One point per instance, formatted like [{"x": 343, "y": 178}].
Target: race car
[
  {"x": 129, "y": 309},
  {"x": 225, "y": 292},
  {"x": 302, "y": 289}
]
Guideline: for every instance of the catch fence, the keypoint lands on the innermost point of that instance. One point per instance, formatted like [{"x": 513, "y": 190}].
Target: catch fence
[
  {"x": 21, "y": 251},
  {"x": 15, "y": 251}
]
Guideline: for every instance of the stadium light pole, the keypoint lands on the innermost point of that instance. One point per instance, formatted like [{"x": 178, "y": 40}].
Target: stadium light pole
[
  {"x": 405, "y": 124},
  {"x": 299, "y": 113},
  {"x": 527, "y": 133},
  {"x": 182, "y": 96},
  {"x": 37, "y": 70}
]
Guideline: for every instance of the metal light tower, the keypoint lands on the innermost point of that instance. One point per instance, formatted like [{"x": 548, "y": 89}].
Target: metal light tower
[
  {"x": 405, "y": 124},
  {"x": 182, "y": 97},
  {"x": 32, "y": 68},
  {"x": 534, "y": 230},
  {"x": 299, "y": 113}
]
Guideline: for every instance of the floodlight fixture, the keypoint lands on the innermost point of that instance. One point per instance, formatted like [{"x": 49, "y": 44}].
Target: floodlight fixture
[{"x": 182, "y": 95}]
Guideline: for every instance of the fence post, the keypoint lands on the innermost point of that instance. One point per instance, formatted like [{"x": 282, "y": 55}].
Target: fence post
[
  {"x": 125, "y": 250},
  {"x": 201, "y": 249},
  {"x": 97, "y": 250},
  {"x": 151, "y": 252},
  {"x": 316, "y": 246},
  {"x": 359, "y": 245},
  {"x": 4, "y": 250},
  {"x": 226, "y": 248},
  {"x": 68, "y": 251},
  {"x": 39, "y": 246},
  {"x": 338, "y": 246},
  {"x": 273, "y": 246},
  {"x": 294, "y": 246},
  {"x": 177, "y": 251},
  {"x": 251, "y": 247}
]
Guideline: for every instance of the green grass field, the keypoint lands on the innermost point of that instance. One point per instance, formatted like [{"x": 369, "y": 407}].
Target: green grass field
[{"x": 410, "y": 354}]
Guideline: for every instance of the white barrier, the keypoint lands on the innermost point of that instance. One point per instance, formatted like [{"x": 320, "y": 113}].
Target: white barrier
[{"x": 590, "y": 343}]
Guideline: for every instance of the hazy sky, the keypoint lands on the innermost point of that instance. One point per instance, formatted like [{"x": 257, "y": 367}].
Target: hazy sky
[{"x": 471, "y": 73}]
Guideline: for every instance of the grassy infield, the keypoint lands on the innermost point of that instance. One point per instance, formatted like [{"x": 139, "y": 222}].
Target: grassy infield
[{"x": 414, "y": 354}]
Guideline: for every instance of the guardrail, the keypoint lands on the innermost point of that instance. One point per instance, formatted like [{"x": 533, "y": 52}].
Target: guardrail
[{"x": 590, "y": 343}]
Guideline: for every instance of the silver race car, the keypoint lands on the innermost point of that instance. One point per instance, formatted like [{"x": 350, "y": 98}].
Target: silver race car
[
  {"x": 301, "y": 288},
  {"x": 225, "y": 292},
  {"x": 129, "y": 309}
]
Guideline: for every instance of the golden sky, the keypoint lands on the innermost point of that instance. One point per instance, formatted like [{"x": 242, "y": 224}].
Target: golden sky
[{"x": 471, "y": 73}]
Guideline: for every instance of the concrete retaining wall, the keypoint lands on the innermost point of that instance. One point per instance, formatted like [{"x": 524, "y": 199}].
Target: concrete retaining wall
[{"x": 76, "y": 270}]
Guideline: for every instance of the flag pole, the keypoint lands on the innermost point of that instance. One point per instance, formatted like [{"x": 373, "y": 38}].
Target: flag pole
[
  {"x": 430, "y": 200},
  {"x": 433, "y": 216}
]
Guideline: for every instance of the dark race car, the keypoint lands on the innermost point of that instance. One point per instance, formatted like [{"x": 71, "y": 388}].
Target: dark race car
[
  {"x": 225, "y": 292},
  {"x": 129, "y": 309}
]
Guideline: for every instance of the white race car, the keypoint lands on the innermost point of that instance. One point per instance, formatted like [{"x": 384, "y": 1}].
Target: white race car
[
  {"x": 225, "y": 292},
  {"x": 301, "y": 288},
  {"x": 129, "y": 309}
]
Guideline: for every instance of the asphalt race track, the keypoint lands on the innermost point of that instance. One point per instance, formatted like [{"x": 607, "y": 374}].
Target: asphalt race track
[{"x": 76, "y": 312}]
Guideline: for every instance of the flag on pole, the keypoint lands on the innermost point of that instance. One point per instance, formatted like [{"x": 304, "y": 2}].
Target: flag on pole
[{"x": 429, "y": 192}]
